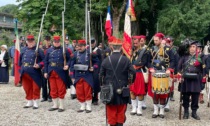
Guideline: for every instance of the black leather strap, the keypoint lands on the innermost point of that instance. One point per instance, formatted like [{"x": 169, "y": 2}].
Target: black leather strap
[{"x": 114, "y": 70}]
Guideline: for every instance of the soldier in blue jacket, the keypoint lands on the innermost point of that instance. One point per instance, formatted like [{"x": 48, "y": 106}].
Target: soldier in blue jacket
[
  {"x": 82, "y": 75},
  {"x": 31, "y": 75},
  {"x": 57, "y": 73}
]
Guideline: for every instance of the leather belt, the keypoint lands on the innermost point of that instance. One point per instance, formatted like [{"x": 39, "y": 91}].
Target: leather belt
[
  {"x": 27, "y": 65},
  {"x": 53, "y": 64}
]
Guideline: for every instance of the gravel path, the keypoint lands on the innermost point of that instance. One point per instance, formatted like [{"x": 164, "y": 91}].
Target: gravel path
[{"x": 12, "y": 100}]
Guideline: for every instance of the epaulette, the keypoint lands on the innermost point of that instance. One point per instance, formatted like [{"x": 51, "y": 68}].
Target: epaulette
[{"x": 167, "y": 48}]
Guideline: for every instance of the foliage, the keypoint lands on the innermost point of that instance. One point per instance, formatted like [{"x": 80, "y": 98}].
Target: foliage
[
  {"x": 31, "y": 14},
  {"x": 9, "y": 8},
  {"x": 177, "y": 18},
  {"x": 186, "y": 18},
  {"x": 5, "y": 38}
]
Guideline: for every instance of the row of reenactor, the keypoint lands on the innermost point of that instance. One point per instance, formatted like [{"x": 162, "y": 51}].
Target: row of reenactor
[
  {"x": 80, "y": 67},
  {"x": 48, "y": 61}
]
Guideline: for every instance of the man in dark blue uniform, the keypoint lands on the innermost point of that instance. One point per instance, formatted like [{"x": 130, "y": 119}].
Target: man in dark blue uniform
[
  {"x": 82, "y": 75},
  {"x": 72, "y": 47},
  {"x": 57, "y": 71},
  {"x": 204, "y": 61},
  {"x": 174, "y": 49},
  {"x": 46, "y": 85},
  {"x": 96, "y": 52},
  {"x": 190, "y": 67},
  {"x": 31, "y": 76}
]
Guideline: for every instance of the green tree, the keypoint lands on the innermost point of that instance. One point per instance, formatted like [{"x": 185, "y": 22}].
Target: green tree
[
  {"x": 31, "y": 14},
  {"x": 183, "y": 19},
  {"x": 9, "y": 8}
]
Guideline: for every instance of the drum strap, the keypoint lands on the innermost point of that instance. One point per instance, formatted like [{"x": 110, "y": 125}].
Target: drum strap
[{"x": 140, "y": 55}]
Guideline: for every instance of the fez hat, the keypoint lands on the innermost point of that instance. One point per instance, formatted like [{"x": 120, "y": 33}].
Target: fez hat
[
  {"x": 139, "y": 37},
  {"x": 82, "y": 42},
  {"x": 30, "y": 37},
  {"x": 159, "y": 35},
  {"x": 56, "y": 38}
]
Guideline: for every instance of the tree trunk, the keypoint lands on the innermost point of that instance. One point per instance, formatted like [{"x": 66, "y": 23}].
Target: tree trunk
[
  {"x": 117, "y": 14},
  {"x": 116, "y": 24}
]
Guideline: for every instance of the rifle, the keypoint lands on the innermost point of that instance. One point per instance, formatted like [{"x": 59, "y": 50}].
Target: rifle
[
  {"x": 102, "y": 33},
  {"x": 63, "y": 33},
  {"x": 90, "y": 39},
  {"x": 180, "y": 105},
  {"x": 40, "y": 30},
  {"x": 207, "y": 90}
]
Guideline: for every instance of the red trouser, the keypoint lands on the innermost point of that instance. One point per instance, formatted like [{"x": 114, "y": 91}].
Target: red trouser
[
  {"x": 32, "y": 90},
  {"x": 57, "y": 86},
  {"x": 116, "y": 113},
  {"x": 83, "y": 90}
]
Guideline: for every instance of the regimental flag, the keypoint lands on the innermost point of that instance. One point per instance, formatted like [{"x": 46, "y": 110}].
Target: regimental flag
[
  {"x": 17, "y": 56},
  {"x": 108, "y": 24},
  {"x": 131, "y": 11},
  {"x": 129, "y": 15}
]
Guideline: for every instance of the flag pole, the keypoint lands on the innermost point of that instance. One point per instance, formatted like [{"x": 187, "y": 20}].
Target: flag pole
[{"x": 17, "y": 55}]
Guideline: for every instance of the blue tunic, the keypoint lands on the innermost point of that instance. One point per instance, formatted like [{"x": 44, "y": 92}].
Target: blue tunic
[
  {"x": 28, "y": 56},
  {"x": 83, "y": 58},
  {"x": 55, "y": 55}
]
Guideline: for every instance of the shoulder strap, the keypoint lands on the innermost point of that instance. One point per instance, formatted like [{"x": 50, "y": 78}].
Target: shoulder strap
[
  {"x": 141, "y": 54},
  {"x": 114, "y": 70}
]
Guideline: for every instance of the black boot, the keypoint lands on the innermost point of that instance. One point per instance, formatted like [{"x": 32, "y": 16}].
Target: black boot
[
  {"x": 44, "y": 99},
  {"x": 194, "y": 115},
  {"x": 172, "y": 96},
  {"x": 95, "y": 99},
  {"x": 73, "y": 96},
  {"x": 119, "y": 124},
  {"x": 186, "y": 114}
]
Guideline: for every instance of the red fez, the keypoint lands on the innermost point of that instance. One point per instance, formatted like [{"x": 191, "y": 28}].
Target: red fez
[
  {"x": 14, "y": 40},
  {"x": 168, "y": 40},
  {"x": 30, "y": 37},
  {"x": 56, "y": 37},
  {"x": 81, "y": 42},
  {"x": 74, "y": 41},
  {"x": 40, "y": 43},
  {"x": 159, "y": 35},
  {"x": 139, "y": 37},
  {"x": 115, "y": 41}
]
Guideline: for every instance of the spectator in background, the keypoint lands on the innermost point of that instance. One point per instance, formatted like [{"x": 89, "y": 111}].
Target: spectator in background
[
  {"x": 11, "y": 53},
  {"x": 4, "y": 65}
]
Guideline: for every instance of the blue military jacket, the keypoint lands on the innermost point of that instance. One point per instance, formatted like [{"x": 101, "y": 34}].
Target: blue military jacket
[
  {"x": 158, "y": 62},
  {"x": 83, "y": 58},
  {"x": 27, "y": 60},
  {"x": 54, "y": 61}
]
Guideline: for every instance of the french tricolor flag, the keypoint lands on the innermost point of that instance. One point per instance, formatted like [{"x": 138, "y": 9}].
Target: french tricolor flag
[
  {"x": 129, "y": 16},
  {"x": 17, "y": 56},
  {"x": 108, "y": 24}
]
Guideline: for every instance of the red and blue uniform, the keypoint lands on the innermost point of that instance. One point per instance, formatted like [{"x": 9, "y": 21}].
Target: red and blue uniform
[
  {"x": 31, "y": 77},
  {"x": 58, "y": 77}
]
